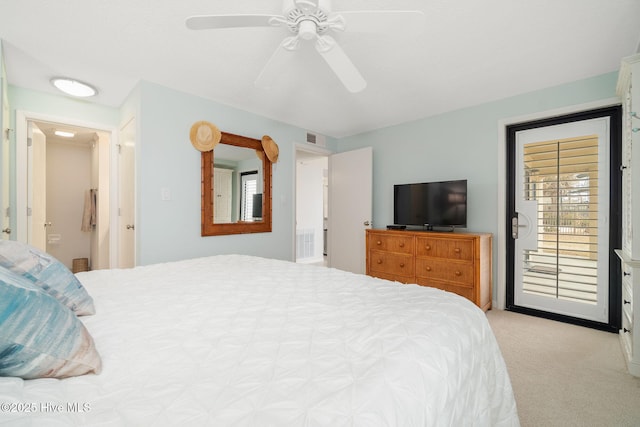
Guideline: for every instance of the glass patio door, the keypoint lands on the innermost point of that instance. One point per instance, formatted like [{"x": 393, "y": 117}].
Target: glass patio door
[{"x": 561, "y": 225}]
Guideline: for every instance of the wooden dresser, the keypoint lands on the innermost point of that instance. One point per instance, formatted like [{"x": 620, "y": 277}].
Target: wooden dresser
[{"x": 454, "y": 261}]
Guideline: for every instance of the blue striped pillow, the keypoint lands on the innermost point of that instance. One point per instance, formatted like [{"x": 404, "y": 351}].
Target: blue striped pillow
[
  {"x": 39, "y": 337},
  {"x": 47, "y": 273}
]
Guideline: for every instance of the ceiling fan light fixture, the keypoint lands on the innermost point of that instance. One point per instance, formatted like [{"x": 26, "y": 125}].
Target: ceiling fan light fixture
[
  {"x": 74, "y": 87},
  {"x": 307, "y": 29},
  {"x": 64, "y": 134}
]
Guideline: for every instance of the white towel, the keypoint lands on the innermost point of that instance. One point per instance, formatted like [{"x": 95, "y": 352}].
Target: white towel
[{"x": 89, "y": 211}]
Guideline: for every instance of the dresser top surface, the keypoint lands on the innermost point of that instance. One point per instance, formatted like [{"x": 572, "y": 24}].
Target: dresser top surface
[{"x": 429, "y": 233}]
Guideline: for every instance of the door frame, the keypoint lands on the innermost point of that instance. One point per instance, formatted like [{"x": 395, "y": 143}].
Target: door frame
[
  {"x": 315, "y": 151},
  {"x": 615, "y": 113},
  {"x": 22, "y": 118},
  {"x": 499, "y": 296}
]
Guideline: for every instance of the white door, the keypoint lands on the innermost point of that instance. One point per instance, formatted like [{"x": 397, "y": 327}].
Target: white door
[
  {"x": 561, "y": 228},
  {"x": 126, "y": 191},
  {"x": 6, "y": 165},
  {"x": 37, "y": 189},
  {"x": 350, "y": 206},
  {"x": 222, "y": 189}
]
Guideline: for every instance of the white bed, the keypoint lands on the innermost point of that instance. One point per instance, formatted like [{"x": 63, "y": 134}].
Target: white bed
[{"x": 235, "y": 340}]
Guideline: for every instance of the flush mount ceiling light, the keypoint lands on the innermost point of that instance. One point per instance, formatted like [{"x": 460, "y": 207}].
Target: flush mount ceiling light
[
  {"x": 64, "y": 134},
  {"x": 74, "y": 87}
]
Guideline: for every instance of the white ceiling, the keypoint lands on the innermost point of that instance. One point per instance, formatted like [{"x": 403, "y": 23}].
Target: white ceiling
[{"x": 470, "y": 52}]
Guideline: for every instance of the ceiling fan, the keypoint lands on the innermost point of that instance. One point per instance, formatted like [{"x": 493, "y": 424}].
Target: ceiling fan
[{"x": 314, "y": 19}]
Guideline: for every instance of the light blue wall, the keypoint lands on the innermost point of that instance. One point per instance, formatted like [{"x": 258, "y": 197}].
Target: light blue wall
[
  {"x": 461, "y": 144},
  {"x": 60, "y": 106},
  {"x": 168, "y": 230}
]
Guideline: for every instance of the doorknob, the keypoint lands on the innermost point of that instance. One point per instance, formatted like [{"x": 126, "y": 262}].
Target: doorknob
[
  {"x": 130, "y": 227},
  {"x": 7, "y": 230},
  {"x": 367, "y": 223},
  {"x": 47, "y": 224}
]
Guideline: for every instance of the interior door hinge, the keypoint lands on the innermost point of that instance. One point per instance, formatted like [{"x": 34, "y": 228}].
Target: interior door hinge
[
  {"x": 29, "y": 213},
  {"x": 29, "y": 142}
]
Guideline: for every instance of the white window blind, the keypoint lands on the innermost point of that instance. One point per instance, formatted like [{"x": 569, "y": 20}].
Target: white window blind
[
  {"x": 249, "y": 182},
  {"x": 562, "y": 177}
]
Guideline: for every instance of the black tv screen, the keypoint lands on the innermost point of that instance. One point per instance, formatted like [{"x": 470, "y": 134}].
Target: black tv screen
[
  {"x": 431, "y": 204},
  {"x": 257, "y": 206}
]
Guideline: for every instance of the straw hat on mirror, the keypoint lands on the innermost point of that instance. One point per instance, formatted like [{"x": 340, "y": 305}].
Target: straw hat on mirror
[
  {"x": 270, "y": 148},
  {"x": 204, "y": 135}
]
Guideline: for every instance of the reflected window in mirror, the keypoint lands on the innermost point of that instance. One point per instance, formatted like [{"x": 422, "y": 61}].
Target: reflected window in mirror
[
  {"x": 249, "y": 211},
  {"x": 236, "y": 187}
]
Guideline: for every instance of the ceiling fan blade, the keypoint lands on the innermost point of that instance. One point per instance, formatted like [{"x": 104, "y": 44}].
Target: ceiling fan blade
[
  {"x": 279, "y": 61},
  {"x": 394, "y": 22},
  {"x": 308, "y": 6},
  {"x": 340, "y": 64},
  {"x": 207, "y": 22}
]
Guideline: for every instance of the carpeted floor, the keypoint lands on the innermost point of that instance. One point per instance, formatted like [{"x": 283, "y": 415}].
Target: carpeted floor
[{"x": 566, "y": 375}]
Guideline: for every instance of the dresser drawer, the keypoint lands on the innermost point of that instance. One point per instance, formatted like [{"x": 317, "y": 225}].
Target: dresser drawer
[
  {"x": 394, "y": 264},
  {"x": 457, "y": 272},
  {"x": 626, "y": 334},
  {"x": 627, "y": 300},
  {"x": 391, "y": 243},
  {"x": 627, "y": 276},
  {"x": 463, "y": 291},
  {"x": 392, "y": 277},
  {"x": 461, "y": 249}
]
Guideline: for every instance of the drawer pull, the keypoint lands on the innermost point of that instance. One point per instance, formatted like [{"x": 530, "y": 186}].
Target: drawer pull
[
  {"x": 428, "y": 247},
  {"x": 457, "y": 250},
  {"x": 428, "y": 268},
  {"x": 402, "y": 244},
  {"x": 626, "y": 330},
  {"x": 624, "y": 301},
  {"x": 379, "y": 261},
  {"x": 458, "y": 273},
  {"x": 378, "y": 242},
  {"x": 402, "y": 265}
]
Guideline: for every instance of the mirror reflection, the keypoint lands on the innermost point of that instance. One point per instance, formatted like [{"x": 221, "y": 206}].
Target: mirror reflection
[
  {"x": 237, "y": 185},
  {"x": 234, "y": 183}
]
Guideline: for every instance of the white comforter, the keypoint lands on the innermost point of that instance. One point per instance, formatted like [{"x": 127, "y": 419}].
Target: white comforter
[{"x": 244, "y": 341}]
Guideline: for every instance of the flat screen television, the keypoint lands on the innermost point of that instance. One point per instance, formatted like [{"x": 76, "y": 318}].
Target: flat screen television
[
  {"x": 257, "y": 206},
  {"x": 431, "y": 204}
]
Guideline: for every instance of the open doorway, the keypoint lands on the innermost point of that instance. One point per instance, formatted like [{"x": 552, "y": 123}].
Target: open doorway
[
  {"x": 101, "y": 142},
  {"x": 311, "y": 206},
  {"x": 69, "y": 216}
]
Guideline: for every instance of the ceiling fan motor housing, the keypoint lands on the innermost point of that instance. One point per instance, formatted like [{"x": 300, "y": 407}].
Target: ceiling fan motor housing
[
  {"x": 307, "y": 18},
  {"x": 308, "y": 6}
]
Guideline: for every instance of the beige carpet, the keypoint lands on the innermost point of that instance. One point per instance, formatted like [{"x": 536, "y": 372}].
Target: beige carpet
[{"x": 566, "y": 375}]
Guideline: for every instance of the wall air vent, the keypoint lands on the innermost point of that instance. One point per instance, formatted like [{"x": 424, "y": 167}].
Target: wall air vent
[{"x": 311, "y": 137}]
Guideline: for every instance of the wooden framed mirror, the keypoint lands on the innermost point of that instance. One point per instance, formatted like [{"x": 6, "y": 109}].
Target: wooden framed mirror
[{"x": 236, "y": 187}]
